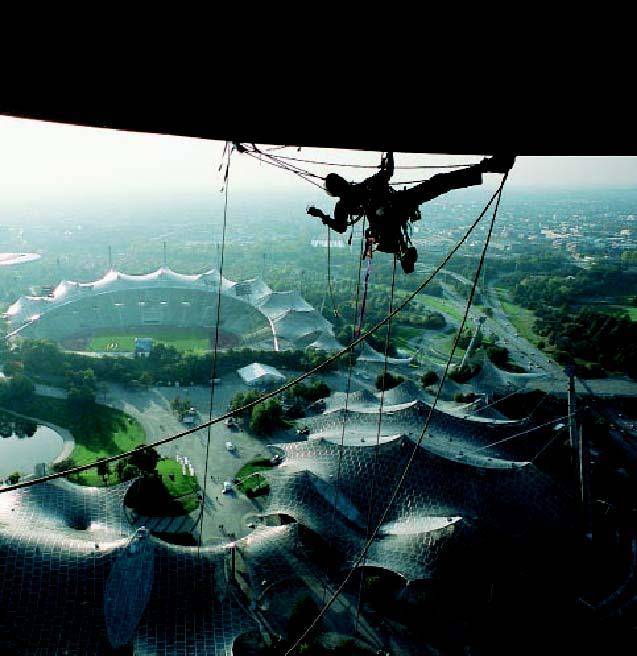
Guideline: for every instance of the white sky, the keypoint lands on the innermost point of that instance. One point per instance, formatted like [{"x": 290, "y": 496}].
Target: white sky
[{"x": 44, "y": 160}]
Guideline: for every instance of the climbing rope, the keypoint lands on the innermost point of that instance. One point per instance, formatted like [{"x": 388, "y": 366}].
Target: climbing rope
[
  {"x": 228, "y": 149},
  {"x": 539, "y": 403},
  {"x": 516, "y": 435},
  {"x": 369, "y": 243},
  {"x": 350, "y": 367},
  {"x": 417, "y": 444},
  {"x": 557, "y": 435},
  {"x": 371, "y": 166},
  {"x": 372, "y": 492},
  {"x": 266, "y": 158},
  {"x": 286, "y": 386},
  {"x": 329, "y": 272},
  {"x": 490, "y": 405}
]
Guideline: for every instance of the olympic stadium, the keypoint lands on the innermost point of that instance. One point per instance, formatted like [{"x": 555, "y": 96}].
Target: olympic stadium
[{"x": 252, "y": 314}]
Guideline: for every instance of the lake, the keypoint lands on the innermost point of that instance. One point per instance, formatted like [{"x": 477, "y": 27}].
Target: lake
[{"x": 24, "y": 443}]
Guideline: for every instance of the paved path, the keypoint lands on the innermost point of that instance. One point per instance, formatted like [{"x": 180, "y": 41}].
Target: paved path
[
  {"x": 50, "y": 390},
  {"x": 151, "y": 408}
]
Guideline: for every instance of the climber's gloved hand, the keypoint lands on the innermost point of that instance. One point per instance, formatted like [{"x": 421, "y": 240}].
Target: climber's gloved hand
[
  {"x": 319, "y": 214},
  {"x": 498, "y": 163}
]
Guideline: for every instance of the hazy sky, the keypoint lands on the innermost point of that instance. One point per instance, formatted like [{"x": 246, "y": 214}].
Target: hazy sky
[{"x": 43, "y": 160}]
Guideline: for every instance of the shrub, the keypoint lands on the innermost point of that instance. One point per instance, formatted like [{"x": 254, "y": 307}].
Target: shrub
[
  {"x": 499, "y": 355},
  {"x": 463, "y": 374},
  {"x": 14, "y": 477},
  {"x": 429, "y": 378},
  {"x": 433, "y": 321},
  {"x": 387, "y": 381},
  {"x": 266, "y": 417}
]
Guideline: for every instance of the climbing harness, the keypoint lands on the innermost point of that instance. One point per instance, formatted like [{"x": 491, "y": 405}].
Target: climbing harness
[
  {"x": 369, "y": 249},
  {"x": 329, "y": 272}
]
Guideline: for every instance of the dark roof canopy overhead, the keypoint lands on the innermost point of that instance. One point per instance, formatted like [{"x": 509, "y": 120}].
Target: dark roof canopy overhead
[{"x": 441, "y": 123}]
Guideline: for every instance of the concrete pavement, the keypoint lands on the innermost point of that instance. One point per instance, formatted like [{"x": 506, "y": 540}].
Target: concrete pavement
[{"x": 223, "y": 514}]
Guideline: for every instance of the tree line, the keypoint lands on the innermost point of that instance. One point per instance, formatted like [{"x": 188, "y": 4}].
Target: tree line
[{"x": 164, "y": 365}]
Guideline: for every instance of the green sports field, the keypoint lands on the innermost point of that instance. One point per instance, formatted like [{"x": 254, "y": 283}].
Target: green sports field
[{"x": 183, "y": 339}]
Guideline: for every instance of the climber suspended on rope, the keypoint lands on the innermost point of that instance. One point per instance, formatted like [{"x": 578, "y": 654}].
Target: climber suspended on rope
[{"x": 389, "y": 211}]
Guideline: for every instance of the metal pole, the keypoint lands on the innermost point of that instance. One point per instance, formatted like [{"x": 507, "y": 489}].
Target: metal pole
[
  {"x": 572, "y": 409},
  {"x": 584, "y": 479}
]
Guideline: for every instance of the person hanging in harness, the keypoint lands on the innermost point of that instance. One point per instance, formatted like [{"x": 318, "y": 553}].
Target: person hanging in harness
[{"x": 390, "y": 212}]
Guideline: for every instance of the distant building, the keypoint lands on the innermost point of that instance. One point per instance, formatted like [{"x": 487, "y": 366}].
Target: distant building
[
  {"x": 322, "y": 243},
  {"x": 143, "y": 345}
]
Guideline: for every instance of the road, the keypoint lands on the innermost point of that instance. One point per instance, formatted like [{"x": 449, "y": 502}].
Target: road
[
  {"x": 151, "y": 408},
  {"x": 529, "y": 356}
]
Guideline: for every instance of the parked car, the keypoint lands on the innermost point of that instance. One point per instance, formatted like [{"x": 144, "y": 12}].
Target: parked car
[{"x": 227, "y": 487}]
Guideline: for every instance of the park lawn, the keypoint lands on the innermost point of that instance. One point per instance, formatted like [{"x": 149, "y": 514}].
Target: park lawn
[
  {"x": 108, "y": 433},
  {"x": 183, "y": 339},
  {"x": 251, "y": 480},
  {"x": 632, "y": 312},
  {"x": 252, "y": 484},
  {"x": 183, "y": 488},
  {"x": 181, "y": 484},
  {"x": 521, "y": 318},
  {"x": 104, "y": 432},
  {"x": 440, "y": 305},
  {"x": 406, "y": 331},
  {"x": 444, "y": 343},
  {"x": 402, "y": 334},
  {"x": 256, "y": 465}
]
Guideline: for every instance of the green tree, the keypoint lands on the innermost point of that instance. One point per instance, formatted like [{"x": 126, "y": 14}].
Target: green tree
[
  {"x": 14, "y": 477},
  {"x": 240, "y": 399},
  {"x": 103, "y": 470},
  {"x": 42, "y": 356},
  {"x": 83, "y": 378},
  {"x": 126, "y": 470},
  {"x": 499, "y": 355},
  {"x": 145, "y": 459},
  {"x": 387, "y": 381},
  {"x": 20, "y": 387},
  {"x": 429, "y": 378},
  {"x": 266, "y": 417},
  {"x": 463, "y": 374},
  {"x": 81, "y": 399}
]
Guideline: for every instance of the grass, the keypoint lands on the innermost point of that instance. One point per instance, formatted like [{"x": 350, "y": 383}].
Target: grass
[
  {"x": 440, "y": 305},
  {"x": 183, "y": 488},
  {"x": 102, "y": 433},
  {"x": 521, "y": 318},
  {"x": 171, "y": 494},
  {"x": 183, "y": 339},
  {"x": 444, "y": 344},
  {"x": 612, "y": 308},
  {"x": 406, "y": 332},
  {"x": 254, "y": 485},
  {"x": 402, "y": 334},
  {"x": 258, "y": 464},
  {"x": 251, "y": 481}
]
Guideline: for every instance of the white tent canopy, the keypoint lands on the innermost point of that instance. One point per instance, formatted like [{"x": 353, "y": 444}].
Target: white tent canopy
[{"x": 259, "y": 374}]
